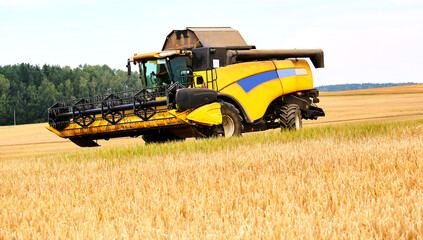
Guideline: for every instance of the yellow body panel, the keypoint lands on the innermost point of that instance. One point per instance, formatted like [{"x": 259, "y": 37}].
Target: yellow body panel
[
  {"x": 208, "y": 115},
  {"x": 256, "y": 84},
  {"x": 233, "y": 73},
  {"x": 256, "y": 101},
  {"x": 302, "y": 81}
]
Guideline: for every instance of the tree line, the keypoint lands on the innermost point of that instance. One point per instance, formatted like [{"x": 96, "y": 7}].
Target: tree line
[{"x": 29, "y": 90}]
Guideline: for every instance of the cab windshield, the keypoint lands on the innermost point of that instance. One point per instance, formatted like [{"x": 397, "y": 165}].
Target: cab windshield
[{"x": 163, "y": 71}]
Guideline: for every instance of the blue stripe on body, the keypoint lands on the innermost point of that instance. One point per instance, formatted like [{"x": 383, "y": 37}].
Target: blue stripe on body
[
  {"x": 251, "y": 82},
  {"x": 289, "y": 72}
]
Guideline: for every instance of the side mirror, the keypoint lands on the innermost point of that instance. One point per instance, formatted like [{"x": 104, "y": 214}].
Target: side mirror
[
  {"x": 129, "y": 67},
  {"x": 185, "y": 73},
  {"x": 200, "y": 80}
]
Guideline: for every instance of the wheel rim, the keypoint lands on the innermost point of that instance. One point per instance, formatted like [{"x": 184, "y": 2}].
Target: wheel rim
[{"x": 228, "y": 126}]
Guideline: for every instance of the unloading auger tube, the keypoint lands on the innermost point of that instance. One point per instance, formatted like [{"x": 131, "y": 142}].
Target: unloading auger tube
[{"x": 316, "y": 55}]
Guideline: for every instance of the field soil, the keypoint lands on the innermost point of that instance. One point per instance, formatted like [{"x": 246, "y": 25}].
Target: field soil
[
  {"x": 382, "y": 104},
  {"x": 415, "y": 88}
]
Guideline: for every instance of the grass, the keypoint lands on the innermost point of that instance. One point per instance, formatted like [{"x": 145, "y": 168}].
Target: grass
[
  {"x": 209, "y": 146},
  {"x": 347, "y": 181}
]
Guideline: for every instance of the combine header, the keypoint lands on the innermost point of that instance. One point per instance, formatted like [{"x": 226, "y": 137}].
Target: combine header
[{"x": 205, "y": 82}]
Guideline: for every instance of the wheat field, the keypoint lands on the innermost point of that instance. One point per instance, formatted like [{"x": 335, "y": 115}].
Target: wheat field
[
  {"x": 349, "y": 181},
  {"x": 348, "y": 176}
]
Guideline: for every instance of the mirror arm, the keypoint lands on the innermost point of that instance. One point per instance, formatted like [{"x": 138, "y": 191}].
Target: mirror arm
[
  {"x": 188, "y": 60},
  {"x": 129, "y": 67}
]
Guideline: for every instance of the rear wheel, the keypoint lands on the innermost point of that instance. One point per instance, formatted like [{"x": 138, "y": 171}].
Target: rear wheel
[{"x": 290, "y": 117}]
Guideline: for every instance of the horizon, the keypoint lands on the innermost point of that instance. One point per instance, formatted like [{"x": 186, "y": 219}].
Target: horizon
[{"x": 81, "y": 66}]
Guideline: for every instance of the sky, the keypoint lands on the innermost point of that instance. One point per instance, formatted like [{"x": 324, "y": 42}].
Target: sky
[{"x": 364, "y": 41}]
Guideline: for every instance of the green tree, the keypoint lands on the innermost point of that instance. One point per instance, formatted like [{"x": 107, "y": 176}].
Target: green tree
[
  {"x": 30, "y": 90},
  {"x": 35, "y": 111},
  {"x": 48, "y": 94},
  {"x": 66, "y": 90},
  {"x": 4, "y": 84},
  {"x": 4, "y": 110},
  {"x": 84, "y": 90}
]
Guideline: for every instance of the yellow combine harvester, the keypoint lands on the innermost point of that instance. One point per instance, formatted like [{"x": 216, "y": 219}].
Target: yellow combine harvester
[{"x": 205, "y": 82}]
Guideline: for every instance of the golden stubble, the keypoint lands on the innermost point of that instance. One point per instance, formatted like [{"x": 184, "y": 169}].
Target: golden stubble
[{"x": 331, "y": 186}]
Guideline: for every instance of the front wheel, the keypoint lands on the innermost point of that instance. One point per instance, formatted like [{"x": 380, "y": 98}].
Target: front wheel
[
  {"x": 231, "y": 121},
  {"x": 290, "y": 117},
  {"x": 231, "y": 124}
]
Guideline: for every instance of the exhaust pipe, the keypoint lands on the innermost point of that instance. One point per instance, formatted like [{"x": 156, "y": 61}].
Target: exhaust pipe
[{"x": 316, "y": 55}]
